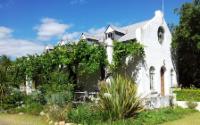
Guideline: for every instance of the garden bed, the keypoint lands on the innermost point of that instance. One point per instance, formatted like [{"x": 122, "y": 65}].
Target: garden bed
[{"x": 150, "y": 117}]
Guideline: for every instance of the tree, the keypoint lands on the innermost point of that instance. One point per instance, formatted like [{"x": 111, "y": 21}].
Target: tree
[
  {"x": 81, "y": 59},
  {"x": 186, "y": 44},
  {"x": 5, "y": 79}
]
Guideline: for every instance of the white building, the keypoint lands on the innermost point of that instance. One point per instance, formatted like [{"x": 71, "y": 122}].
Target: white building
[{"x": 157, "y": 75}]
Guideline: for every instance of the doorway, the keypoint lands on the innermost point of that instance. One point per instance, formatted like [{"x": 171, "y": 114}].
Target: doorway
[{"x": 162, "y": 77}]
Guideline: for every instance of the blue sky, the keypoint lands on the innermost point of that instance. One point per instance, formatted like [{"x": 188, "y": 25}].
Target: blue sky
[{"x": 26, "y": 26}]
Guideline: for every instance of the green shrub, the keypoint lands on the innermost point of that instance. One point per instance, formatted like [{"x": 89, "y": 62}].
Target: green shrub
[
  {"x": 119, "y": 99},
  {"x": 17, "y": 110},
  {"x": 36, "y": 97},
  {"x": 188, "y": 95},
  {"x": 58, "y": 113},
  {"x": 15, "y": 99},
  {"x": 39, "y": 96},
  {"x": 191, "y": 105},
  {"x": 86, "y": 114},
  {"x": 58, "y": 94},
  {"x": 33, "y": 108},
  {"x": 56, "y": 99},
  {"x": 32, "y": 104}
]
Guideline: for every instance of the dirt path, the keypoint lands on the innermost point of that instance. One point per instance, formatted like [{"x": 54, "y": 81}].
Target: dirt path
[
  {"x": 15, "y": 119},
  {"x": 3, "y": 123}
]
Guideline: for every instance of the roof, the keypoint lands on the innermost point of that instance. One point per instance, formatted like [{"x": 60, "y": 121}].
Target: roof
[
  {"x": 118, "y": 29},
  {"x": 131, "y": 31},
  {"x": 90, "y": 36},
  {"x": 99, "y": 37},
  {"x": 128, "y": 31}
]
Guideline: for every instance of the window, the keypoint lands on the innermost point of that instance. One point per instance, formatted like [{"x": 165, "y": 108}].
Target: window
[
  {"x": 172, "y": 77},
  {"x": 110, "y": 35},
  {"x": 160, "y": 34},
  {"x": 151, "y": 75}
]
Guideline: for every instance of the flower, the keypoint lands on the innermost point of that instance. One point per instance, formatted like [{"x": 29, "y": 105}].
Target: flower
[{"x": 107, "y": 95}]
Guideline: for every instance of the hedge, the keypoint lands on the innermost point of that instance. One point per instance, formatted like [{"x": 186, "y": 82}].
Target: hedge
[{"x": 188, "y": 95}]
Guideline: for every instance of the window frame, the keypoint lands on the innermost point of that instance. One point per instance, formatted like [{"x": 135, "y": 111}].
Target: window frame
[{"x": 152, "y": 77}]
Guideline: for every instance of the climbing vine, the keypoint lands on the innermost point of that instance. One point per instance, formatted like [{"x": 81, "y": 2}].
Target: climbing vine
[
  {"x": 74, "y": 59},
  {"x": 125, "y": 49}
]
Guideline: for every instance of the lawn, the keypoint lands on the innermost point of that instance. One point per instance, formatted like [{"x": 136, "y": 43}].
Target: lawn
[
  {"x": 176, "y": 116},
  {"x": 11, "y": 119},
  {"x": 157, "y": 116},
  {"x": 192, "y": 119}
]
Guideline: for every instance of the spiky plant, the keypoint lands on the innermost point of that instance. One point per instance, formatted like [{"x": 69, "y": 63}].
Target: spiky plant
[{"x": 119, "y": 99}]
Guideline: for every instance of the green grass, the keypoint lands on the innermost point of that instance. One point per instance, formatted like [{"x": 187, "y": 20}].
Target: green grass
[
  {"x": 168, "y": 116},
  {"x": 188, "y": 95},
  {"x": 155, "y": 117},
  {"x": 192, "y": 119},
  {"x": 16, "y": 119}
]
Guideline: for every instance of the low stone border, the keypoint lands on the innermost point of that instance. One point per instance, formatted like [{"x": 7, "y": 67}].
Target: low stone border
[{"x": 183, "y": 104}]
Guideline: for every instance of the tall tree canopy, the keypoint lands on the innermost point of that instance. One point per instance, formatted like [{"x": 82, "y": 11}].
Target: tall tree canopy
[{"x": 186, "y": 44}]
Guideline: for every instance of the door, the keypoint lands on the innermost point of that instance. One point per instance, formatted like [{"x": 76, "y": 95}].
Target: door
[{"x": 162, "y": 77}]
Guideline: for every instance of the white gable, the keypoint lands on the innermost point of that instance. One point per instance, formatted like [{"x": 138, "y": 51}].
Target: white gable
[
  {"x": 109, "y": 29},
  {"x": 83, "y": 37}
]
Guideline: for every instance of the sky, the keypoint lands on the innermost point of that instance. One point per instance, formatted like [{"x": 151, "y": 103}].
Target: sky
[{"x": 27, "y": 26}]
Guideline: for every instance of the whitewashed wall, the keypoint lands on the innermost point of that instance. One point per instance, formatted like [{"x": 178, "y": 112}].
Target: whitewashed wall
[{"x": 156, "y": 54}]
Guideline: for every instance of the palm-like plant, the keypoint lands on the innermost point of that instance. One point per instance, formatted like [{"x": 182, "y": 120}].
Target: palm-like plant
[{"x": 119, "y": 99}]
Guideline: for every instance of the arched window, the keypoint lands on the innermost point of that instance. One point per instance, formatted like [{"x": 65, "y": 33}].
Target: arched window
[
  {"x": 151, "y": 75},
  {"x": 160, "y": 34},
  {"x": 172, "y": 77}
]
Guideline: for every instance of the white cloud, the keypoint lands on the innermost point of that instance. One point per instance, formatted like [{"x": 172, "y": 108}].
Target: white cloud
[
  {"x": 5, "y": 32},
  {"x": 16, "y": 47},
  {"x": 73, "y": 2},
  {"x": 51, "y": 28},
  {"x": 71, "y": 36}
]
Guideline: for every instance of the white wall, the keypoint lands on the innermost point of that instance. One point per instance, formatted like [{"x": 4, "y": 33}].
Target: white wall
[
  {"x": 155, "y": 55},
  {"x": 109, "y": 49},
  {"x": 183, "y": 104}
]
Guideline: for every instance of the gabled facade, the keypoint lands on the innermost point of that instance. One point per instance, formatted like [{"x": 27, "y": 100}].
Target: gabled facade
[{"x": 156, "y": 76}]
